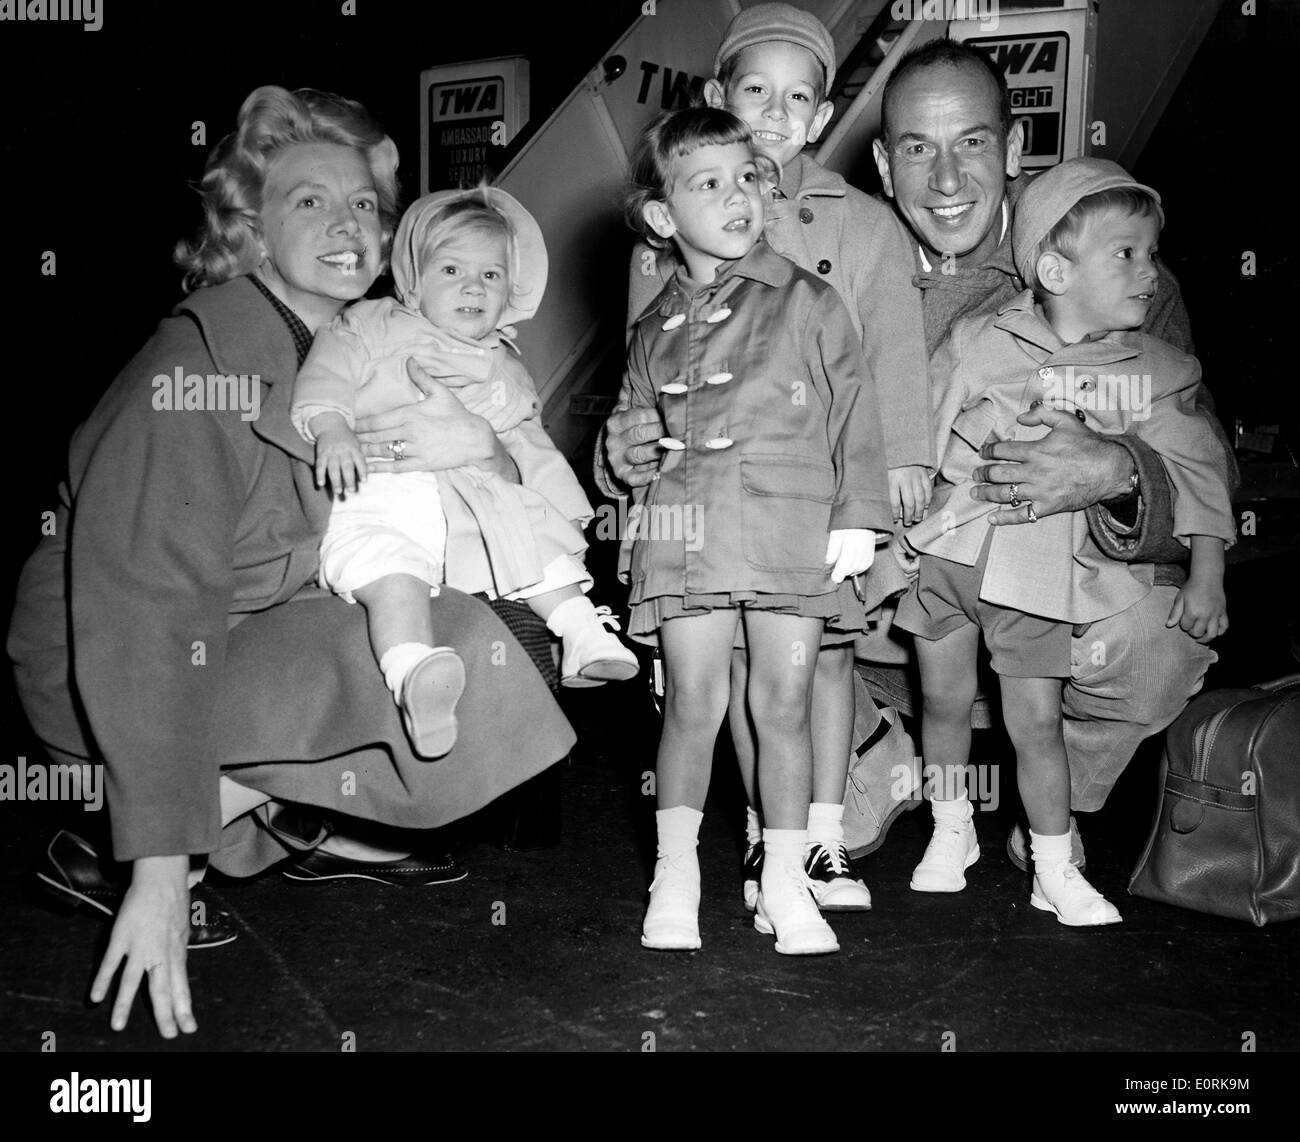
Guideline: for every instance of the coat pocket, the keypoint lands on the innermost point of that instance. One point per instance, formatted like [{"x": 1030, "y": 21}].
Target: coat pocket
[
  {"x": 786, "y": 511},
  {"x": 975, "y": 424}
]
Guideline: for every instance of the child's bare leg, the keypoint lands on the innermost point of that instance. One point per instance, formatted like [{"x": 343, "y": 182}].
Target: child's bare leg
[
  {"x": 425, "y": 681},
  {"x": 783, "y": 653},
  {"x": 948, "y": 686},
  {"x": 696, "y": 655},
  {"x": 397, "y": 611},
  {"x": 1031, "y": 709},
  {"x": 832, "y": 724},
  {"x": 834, "y": 882},
  {"x": 782, "y": 665}
]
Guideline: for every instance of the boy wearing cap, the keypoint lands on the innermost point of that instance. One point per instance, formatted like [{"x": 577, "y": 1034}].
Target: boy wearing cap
[
  {"x": 773, "y": 69},
  {"x": 1085, "y": 237}
]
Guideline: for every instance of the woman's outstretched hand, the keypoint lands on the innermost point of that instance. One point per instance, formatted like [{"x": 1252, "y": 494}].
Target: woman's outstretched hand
[
  {"x": 149, "y": 937},
  {"x": 437, "y": 433}
]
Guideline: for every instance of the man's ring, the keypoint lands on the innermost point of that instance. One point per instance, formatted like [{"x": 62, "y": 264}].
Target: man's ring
[
  {"x": 1015, "y": 496},
  {"x": 397, "y": 448},
  {"x": 1031, "y": 516}
]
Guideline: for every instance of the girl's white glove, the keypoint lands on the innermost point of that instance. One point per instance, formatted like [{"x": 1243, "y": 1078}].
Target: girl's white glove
[{"x": 851, "y": 551}]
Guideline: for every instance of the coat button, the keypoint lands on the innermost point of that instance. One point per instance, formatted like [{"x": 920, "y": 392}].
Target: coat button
[
  {"x": 673, "y": 388},
  {"x": 671, "y": 443},
  {"x": 805, "y": 215},
  {"x": 717, "y": 379},
  {"x": 674, "y": 321},
  {"x": 823, "y": 267},
  {"x": 719, "y": 442},
  {"x": 720, "y": 315},
  {"x": 1046, "y": 373},
  {"x": 1087, "y": 384}
]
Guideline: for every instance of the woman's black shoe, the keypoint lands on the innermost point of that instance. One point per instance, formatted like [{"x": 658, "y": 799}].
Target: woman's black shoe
[{"x": 71, "y": 875}]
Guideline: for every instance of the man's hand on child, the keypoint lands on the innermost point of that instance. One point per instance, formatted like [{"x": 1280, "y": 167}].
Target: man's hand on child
[
  {"x": 908, "y": 559},
  {"x": 851, "y": 551},
  {"x": 340, "y": 462},
  {"x": 909, "y": 493},
  {"x": 1201, "y": 609},
  {"x": 631, "y": 443}
]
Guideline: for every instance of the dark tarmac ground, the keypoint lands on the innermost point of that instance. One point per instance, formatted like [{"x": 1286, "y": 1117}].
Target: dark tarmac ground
[{"x": 539, "y": 950}]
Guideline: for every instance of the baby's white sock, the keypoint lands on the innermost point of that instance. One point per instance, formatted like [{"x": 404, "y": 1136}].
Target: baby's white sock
[
  {"x": 825, "y": 824},
  {"x": 398, "y": 661},
  {"x": 753, "y": 830},
  {"x": 571, "y": 616}
]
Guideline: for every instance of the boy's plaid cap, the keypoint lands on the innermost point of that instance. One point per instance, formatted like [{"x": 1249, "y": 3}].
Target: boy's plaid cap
[
  {"x": 764, "y": 22},
  {"x": 1050, "y": 196}
]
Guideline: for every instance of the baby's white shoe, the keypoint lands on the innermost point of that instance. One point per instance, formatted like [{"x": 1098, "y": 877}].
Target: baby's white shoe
[
  {"x": 672, "y": 922},
  {"x": 953, "y": 848},
  {"x": 1061, "y": 888},
  {"x": 592, "y": 654},
  {"x": 428, "y": 702}
]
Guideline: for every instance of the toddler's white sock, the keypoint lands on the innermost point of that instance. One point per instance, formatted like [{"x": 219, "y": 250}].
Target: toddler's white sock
[
  {"x": 825, "y": 824},
  {"x": 398, "y": 661},
  {"x": 571, "y": 616},
  {"x": 753, "y": 830}
]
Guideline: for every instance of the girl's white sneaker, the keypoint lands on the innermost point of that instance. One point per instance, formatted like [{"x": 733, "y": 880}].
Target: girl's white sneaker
[
  {"x": 787, "y": 910},
  {"x": 672, "y": 922},
  {"x": 1062, "y": 889}
]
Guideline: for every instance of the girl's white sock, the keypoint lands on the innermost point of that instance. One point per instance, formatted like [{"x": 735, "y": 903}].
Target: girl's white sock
[
  {"x": 825, "y": 824},
  {"x": 398, "y": 661},
  {"x": 956, "y": 811},
  {"x": 678, "y": 830},
  {"x": 753, "y": 830},
  {"x": 1049, "y": 850},
  {"x": 783, "y": 847}
]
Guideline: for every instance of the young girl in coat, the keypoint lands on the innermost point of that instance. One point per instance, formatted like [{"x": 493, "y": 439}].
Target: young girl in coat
[
  {"x": 466, "y": 264},
  {"x": 771, "y": 496}
]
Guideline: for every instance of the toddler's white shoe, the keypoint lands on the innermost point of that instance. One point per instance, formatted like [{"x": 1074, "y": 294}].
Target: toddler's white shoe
[
  {"x": 953, "y": 848},
  {"x": 672, "y": 922},
  {"x": 593, "y": 656},
  {"x": 428, "y": 702},
  {"x": 1061, "y": 888},
  {"x": 786, "y": 908}
]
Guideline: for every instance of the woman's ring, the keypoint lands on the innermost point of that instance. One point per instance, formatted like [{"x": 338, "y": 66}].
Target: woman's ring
[
  {"x": 1015, "y": 496},
  {"x": 397, "y": 448},
  {"x": 1032, "y": 517}
]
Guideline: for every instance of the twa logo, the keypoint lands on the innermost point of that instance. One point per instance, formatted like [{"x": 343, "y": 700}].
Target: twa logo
[{"x": 467, "y": 98}]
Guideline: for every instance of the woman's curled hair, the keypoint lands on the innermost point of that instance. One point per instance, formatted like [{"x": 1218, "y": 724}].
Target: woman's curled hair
[{"x": 271, "y": 119}]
